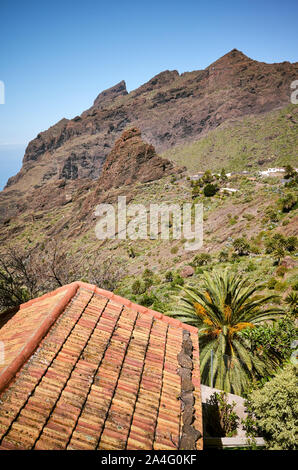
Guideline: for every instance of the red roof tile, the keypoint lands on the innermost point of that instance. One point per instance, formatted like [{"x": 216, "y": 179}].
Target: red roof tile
[{"x": 86, "y": 369}]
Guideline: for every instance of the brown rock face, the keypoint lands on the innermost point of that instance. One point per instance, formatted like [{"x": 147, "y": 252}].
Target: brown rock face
[
  {"x": 133, "y": 160},
  {"x": 170, "y": 110}
]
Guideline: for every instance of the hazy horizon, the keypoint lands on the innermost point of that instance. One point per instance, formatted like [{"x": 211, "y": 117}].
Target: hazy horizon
[{"x": 11, "y": 157}]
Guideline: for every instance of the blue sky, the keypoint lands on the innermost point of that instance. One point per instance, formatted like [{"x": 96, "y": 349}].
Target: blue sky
[{"x": 55, "y": 57}]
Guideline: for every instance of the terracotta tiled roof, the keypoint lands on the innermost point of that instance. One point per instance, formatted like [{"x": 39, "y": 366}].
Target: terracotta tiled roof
[{"x": 86, "y": 369}]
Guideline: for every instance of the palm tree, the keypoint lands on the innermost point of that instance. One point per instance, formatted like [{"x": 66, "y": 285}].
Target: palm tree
[
  {"x": 278, "y": 254},
  {"x": 225, "y": 305}
]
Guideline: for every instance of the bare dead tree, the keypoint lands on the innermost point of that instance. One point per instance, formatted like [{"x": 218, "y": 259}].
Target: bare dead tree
[
  {"x": 60, "y": 266},
  {"x": 25, "y": 274},
  {"x": 19, "y": 277},
  {"x": 106, "y": 274}
]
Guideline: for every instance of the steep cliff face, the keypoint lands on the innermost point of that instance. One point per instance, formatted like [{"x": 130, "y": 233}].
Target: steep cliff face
[
  {"x": 133, "y": 160},
  {"x": 170, "y": 110}
]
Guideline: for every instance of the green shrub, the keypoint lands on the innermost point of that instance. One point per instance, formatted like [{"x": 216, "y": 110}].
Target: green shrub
[
  {"x": 250, "y": 267},
  {"x": 241, "y": 246},
  {"x": 280, "y": 286},
  {"x": 196, "y": 191},
  {"x": 199, "y": 270},
  {"x": 223, "y": 256},
  {"x": 290, "y": 172},
  {"x": 210, "y": 190},
  {"x": 177, "y": 280},
  {"x": 293, "y": 183},
  {"x": 272, "y": 215},
  {"x": 271, "y": 283},
  {"x": 273, "y": 340},
  {"x": 288, "y": 202},
  {"x": 255, "y": 249},
  {"x": 148, "y": 282},
  {"x": 147, "y": 278},
  {"x": 295, "y": 285},
  {"x": 220, "y": 416},
  {"x": 207, "y": 177},
  {"x": 281, "y": 271},
  {"x": 147, "y": 273},
  {"x": 160, "y": 306},
  {"x": 273, "y": 410},
  {"x": 223, "y": 175},
  {"x": 201, "y": 260},
  {"x": 138, "y": 287},
  {"x": 169, "y": 276},
  {"x": 232, "y": 220},
  {"x": 291, "y": 244},
  {"x": 235, "y": 258},
  {"x": 248, "y": 216},
  {"x": 147, "y": 299},
  {"x": 280, "y": 242}
]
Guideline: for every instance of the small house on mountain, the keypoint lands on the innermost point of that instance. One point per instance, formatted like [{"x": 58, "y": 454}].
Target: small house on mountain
[{"x": 84, "y": 369}]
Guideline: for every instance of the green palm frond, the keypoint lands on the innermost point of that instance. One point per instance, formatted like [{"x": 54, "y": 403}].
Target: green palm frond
[{"x": 220, "y": 308}]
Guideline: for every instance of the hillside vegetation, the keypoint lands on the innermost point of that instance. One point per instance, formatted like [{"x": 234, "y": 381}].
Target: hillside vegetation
[{"x": 268, "y": 140}]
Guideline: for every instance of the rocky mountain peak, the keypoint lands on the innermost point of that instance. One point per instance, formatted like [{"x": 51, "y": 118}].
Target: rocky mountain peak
[
  {"x": 236, "y": 54},
  {"x": 132, "y": 159},
  {"x": 158, "y": 81},
  {"x": 231, "y": 58},
  {"x": 110, "y": 94}
]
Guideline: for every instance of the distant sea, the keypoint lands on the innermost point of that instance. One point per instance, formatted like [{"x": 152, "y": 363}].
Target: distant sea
[{"x": 11, "y": 157}]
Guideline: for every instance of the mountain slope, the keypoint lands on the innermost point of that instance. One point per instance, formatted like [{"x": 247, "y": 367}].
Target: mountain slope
[
  {"x": 170, "y": 110},
  {"x": 267, "y": 140},
  {"x": 55, "y": 223}
]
